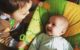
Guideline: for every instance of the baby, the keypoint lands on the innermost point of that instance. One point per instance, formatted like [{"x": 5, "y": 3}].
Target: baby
[{"x": 52, "y": 40}]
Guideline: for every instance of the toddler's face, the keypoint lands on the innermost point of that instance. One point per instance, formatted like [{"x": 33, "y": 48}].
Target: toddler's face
[{"x": 56, "y": 26}]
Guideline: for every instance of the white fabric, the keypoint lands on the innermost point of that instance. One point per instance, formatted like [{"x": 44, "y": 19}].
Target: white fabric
[{"x": 45, "y": 42}]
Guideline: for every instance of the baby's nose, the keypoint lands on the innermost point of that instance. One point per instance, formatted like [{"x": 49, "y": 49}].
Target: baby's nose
[{"x": 49, "y": 25}]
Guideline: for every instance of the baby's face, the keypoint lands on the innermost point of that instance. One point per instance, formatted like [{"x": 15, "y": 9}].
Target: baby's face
[{"x": 56, "y": 26}]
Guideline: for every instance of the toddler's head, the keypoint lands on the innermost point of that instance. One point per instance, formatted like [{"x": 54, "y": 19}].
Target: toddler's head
[
  {"x": 4, "y": 26},
  {"x": 56, "y": 26}
]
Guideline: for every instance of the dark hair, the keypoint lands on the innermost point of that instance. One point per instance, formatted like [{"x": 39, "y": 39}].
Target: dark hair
[{"x": 9, "y": 6}]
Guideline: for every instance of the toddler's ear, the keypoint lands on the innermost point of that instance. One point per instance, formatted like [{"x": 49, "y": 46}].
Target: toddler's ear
[
  {"x": 4, "y": 25},
  {"x": 7, "y": 30}
]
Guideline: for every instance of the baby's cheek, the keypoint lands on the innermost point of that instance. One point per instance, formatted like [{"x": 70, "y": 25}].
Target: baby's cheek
[{"x": 56, "y": 31}]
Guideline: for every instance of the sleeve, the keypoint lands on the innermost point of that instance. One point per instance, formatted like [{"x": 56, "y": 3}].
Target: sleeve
[{"x": 36, "y": 43}]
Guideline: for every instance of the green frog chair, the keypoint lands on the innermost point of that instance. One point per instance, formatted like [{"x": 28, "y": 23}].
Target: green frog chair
[{"x": 51, "y": 7}]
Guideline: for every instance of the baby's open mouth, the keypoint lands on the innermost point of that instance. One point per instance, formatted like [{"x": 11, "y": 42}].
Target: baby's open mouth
[{"x": 49, "y": 30}]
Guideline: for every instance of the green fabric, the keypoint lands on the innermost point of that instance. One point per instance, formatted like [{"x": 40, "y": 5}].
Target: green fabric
[
  {"x": 21, "y": 49},
  {"x": 57, "y": 6},
  {"x": 74, "y": 39},
  {"x": 12, "y": 22}
]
